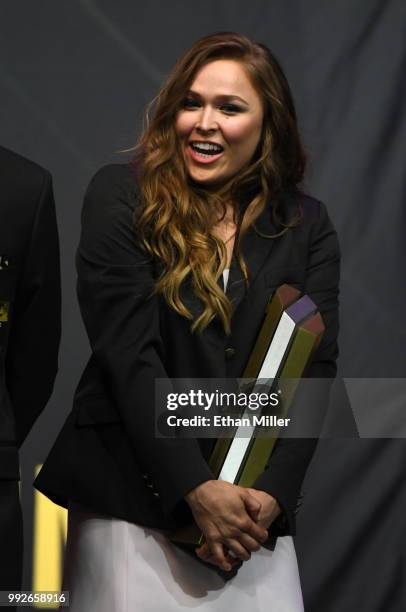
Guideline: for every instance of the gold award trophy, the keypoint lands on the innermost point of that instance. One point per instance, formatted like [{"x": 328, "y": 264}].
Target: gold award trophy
[{"x": 290, "y": 333}]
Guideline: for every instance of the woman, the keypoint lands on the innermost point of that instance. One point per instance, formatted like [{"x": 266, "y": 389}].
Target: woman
[{"x": 178, "y": 256}]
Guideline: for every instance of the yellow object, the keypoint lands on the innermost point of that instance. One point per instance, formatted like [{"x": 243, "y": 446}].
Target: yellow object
[
  {"x": 50, "y": 528},
  {"x": 4, "y": 311}
]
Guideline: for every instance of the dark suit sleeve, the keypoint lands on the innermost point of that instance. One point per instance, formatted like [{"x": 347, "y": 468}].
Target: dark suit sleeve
[
  {"x": 115, "y": 279},
  {"x": 291, "y": 457},
  {"x": 32, "y": 353}
]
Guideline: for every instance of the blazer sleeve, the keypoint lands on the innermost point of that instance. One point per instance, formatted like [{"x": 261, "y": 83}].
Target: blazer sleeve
[
  {"x": 115, "y": 279},
  {"x": 291, "y": 456},
  {"x": 32, "y": 352}
]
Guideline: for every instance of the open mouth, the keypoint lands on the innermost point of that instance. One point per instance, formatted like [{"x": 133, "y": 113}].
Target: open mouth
[{"x": 205, "y": 152}]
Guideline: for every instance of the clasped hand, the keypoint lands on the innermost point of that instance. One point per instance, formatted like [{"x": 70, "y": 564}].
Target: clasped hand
[{"x": 233, "y": 519}]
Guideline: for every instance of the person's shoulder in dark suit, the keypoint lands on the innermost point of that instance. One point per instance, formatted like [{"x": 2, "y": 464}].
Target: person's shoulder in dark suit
[
  {"x": 30, "y": 282},
  {"x": 112, "y": 186},
  {"x": 22, "y": 180}
]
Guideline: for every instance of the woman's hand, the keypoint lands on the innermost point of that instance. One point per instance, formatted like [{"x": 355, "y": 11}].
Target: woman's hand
[
  {"x": 268, "y": 512},
  {"x": 270, "y": 509},
  {"x": 226, "y": 515}
]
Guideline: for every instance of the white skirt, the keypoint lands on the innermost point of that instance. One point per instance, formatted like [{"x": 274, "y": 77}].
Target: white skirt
[{"x": 115, "y": 566}]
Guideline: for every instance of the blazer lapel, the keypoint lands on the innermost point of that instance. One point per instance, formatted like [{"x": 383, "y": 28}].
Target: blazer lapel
[{"x": 255, "y": 250}]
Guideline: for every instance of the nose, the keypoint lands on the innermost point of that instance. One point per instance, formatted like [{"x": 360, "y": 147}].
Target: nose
[{"x": 206, "y": 121}]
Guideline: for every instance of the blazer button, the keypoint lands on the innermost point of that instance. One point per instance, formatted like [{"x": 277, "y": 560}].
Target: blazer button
[{"x": 229, "y": 352}]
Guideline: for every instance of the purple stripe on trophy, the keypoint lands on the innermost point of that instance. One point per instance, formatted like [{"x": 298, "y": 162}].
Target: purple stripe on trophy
[{"x": 301, "y": 309}]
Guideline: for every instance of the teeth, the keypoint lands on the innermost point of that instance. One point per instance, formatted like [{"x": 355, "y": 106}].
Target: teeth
[{"x": 206, "y": 147}]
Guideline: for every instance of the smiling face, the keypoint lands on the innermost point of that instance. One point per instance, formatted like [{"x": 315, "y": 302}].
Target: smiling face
[{"x": 219, "y": 124}]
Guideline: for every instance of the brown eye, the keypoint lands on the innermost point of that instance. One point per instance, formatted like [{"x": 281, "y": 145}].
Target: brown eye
[
  {"x": 190, "y": 103},
  {"x": 230, "y": 109}
]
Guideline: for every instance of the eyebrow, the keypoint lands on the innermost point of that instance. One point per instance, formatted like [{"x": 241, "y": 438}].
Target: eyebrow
[{"x": 220, "y": 98}]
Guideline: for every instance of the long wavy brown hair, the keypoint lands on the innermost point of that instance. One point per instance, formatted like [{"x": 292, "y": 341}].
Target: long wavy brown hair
[{"x": 175, "y": 216}]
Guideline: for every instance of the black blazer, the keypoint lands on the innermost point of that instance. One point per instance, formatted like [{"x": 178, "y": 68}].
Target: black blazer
[
  {"x": 30, "y": 301},
  {"x": 107, "y": 456}
]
